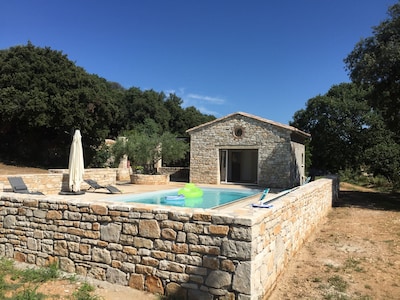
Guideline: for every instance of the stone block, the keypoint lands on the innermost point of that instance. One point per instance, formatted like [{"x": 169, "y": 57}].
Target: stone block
[
  {"x": 116, "y": 276},
  {"x": 98, "y": 209},
  {"x": 211, "y": 262},
  {"x": 54, "y": 215},
  {"x": 237, "y": 249},
  {"x": 221, "y": 230},
  {"x": 110, "y": 232},
  {"x": 9, "y": 221},
  {"x": 219, "y": 279},
  {"x": 149, "y": 229},
  {"x": 131, "y": 229},
  {"x": 154, "y": 285},
  {"x": 168, "y": 234},
  {"x": 136, "y": 281},
  {"x": 242, "y": 278},
  {"x": 175, "y": 291},
  {"x": 101, "y": 255},
  {"x": 67, "y": 265},
  {"x": 61, "y": 248}
]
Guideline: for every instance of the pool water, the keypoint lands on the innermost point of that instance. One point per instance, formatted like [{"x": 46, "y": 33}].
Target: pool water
[{"x": 212, "y": 197}]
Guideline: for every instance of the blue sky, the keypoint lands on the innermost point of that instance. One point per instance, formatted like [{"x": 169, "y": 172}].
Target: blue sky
[{"x": 262, "y": 57}]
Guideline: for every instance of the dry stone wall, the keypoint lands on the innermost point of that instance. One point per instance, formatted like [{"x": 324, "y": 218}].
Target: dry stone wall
[
  {"x": 188, "y": 253},
  {"x": 57, "y": 180}
]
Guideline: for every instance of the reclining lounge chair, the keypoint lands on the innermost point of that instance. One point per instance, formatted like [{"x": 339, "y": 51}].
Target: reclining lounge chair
[
  {"x": 18, "y": 186},
  {"x": 95, "y": 186}
]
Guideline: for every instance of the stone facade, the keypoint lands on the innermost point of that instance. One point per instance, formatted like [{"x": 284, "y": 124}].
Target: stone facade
[
  {"x": 223, "y": 253},
  {"x": 279, "y": 147}
]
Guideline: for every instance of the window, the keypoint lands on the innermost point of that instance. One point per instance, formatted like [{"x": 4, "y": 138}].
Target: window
[{"x": 238, "y": 131}]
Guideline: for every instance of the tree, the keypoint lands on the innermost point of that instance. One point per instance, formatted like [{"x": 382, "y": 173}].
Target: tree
[
  {"x": 192, "y": 117},
  {"x": 142, "y": 106},
  {"x": 338, "y": 123},
  {"x": 382, "y": 155},
  {"x": 145, "y": 150},
  {"x": 375, "y": 63},
  {"x": 177, "y": 122},
  {"x": 43, "y": 95}
]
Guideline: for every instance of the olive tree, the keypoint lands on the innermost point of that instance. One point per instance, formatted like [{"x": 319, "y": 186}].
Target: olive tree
[{"x": 144, "y": 150}]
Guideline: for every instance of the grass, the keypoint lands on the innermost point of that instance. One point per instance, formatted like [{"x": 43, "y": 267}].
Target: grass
[
  {"x": 29, "y": 294},
  {"x": 353, "y": 264},
  {"x": 84, "y": 293},
  {"x": 338, "y": 283},
  {"x": 22, "y": 284},
  {"x": 335, "y": 286}
]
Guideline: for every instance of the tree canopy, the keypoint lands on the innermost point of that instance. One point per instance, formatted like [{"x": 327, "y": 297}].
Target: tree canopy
[
  {"x": 44, "y": 97},
  {"x": 144, "y": 150},
  {"x": 338, "y": 123},
  {"x": 375, "y": 63},
  {"x": 357, "y": 125}
]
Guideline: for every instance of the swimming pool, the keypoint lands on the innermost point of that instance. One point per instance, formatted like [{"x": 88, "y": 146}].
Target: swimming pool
[{"x": 212, "y": 197}]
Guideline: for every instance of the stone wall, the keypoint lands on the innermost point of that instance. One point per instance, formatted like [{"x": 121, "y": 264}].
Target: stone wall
[
  {"x": 192, "y": 254},
  {"x": 150, "y": 179},
  {"x": 57, "y": 180},
  {"x": 176, "y": 173},
  {"x": 297, "y": 164}
]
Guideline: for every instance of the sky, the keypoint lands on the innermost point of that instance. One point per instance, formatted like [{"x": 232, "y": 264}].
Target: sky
[{"x": 262, "y": 57}]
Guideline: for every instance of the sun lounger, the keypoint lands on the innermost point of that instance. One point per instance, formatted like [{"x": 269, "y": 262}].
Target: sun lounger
[
  {"x": 18, "y": 186},
  {"x": 95, "y": 186}
]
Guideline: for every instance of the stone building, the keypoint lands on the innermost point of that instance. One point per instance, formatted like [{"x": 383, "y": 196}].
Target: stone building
[{"x": 245, "y": 149}]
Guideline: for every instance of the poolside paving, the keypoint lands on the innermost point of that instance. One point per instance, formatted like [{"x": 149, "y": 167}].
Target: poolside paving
[{"x": 127, "y": 188}]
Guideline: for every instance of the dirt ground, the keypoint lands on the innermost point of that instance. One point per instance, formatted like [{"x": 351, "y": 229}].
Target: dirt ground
[{"x": 354, "y": 254}]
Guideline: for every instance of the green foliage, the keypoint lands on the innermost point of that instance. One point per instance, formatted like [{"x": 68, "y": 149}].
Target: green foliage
[
  {"x": 103, "y": 157},
  {"x": 357, "y": 177},
  {"x": 29, "y": 294},
  {"x": 29, "y": 278},
  {"x": 43, "y": 96},
  {"x": 374, "y": 62},
  {"x": 338, "y": 123},
  {"x": 384, "y": 159},
  {"x": 154, "y": 113},
  {"x": 352, "y": 263},
  {"x": 84, "y": 293},
  {"x": 357, "y": 126},
  {"x": 338, "y": 283},
  {"x": 172, "y": 149},
  {"x": 39, "y": 275},
  {"x": 27, "y": 281},
  {"x": 146, "y": 150}
]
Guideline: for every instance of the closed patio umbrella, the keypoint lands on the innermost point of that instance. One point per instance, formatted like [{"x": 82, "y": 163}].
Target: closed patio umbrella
[{"x": 76, "y": 165}]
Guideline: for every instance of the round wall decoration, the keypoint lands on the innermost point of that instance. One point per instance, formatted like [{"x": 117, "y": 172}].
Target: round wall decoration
[{"x": 238, "y": 131}]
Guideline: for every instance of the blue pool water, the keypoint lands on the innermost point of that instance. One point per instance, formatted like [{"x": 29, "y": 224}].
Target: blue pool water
[{"x": 212, "y": 197}]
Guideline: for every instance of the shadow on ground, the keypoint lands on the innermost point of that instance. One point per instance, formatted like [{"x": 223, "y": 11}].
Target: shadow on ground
[{"x": 369, "y": 200}]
